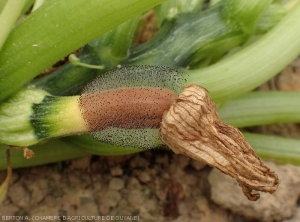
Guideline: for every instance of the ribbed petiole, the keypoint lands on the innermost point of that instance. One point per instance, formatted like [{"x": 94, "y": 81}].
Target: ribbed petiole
[
  {"x": 278, "y": 149},
  {"x": 246, "y": 13},
  {"x": 255, "y": 64},
  {"x": 259, "y": 108},
  {"x": 273, "y": 148},
  {"x": 52, "y": 151}
]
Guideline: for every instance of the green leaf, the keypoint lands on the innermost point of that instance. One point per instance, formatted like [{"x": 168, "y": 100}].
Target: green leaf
[{"x": 56, "y": 29}]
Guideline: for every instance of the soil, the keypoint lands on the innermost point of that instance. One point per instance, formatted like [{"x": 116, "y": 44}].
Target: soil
[{"x": 155, "y": 185}]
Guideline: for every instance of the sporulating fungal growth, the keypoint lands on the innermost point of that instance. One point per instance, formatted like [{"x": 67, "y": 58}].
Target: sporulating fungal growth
[
  {"x": 128, "y": 108},
  {"x": 122, "y": 106}
]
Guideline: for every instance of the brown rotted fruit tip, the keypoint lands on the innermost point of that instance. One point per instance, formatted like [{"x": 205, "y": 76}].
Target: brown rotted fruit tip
[{"x": 192, "y": 127}]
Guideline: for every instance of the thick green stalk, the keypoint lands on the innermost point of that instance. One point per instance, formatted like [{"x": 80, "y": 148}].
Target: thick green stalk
[
  {"x": 246, "y": 13},
  {"x": 113, "y": 47},
  {"x": 56, "y": 29},
  {"x": 267, "y": 147},
  {"x": 270, "y": 19},
  {"x": 259, "y": 108},
  {"x": 52, "y": 151},
  {"x": 273, "y": 148},
  {"x": 253, "y": 65},
  {"x": 122, "y": 39}
]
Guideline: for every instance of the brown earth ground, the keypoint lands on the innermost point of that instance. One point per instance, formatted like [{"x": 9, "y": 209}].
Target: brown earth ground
[{"x": 154, "y": 185}]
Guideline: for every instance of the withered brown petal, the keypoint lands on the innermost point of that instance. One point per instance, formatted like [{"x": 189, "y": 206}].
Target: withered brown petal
[{"x": 193, "y": 128}]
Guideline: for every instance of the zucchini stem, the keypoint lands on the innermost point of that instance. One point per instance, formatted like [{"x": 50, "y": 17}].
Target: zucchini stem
[
  {"x": 260, "y": 108},
  {"x": 274, "y": 148},
  {"x": 253, "y": 65},
  {"x": 76, "y": 62}
]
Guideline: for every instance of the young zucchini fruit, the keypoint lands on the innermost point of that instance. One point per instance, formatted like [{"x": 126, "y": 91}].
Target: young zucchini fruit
[{"x": 121, "y": 107}]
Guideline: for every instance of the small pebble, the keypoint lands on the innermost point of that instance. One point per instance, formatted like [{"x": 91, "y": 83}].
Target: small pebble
[
  {"x": 138, "y": 161},
  {"x": 81, "y": 163},
  {"x": 116, "y": 184},
  {"x": 116, "y": 171},
  {"x": 135, "y": 198},
  {"x": 181, "y": 161},
  {"x": 144, "y": 177},
  {"x": 133, "y": 183},
  {"x": 197, "y": 165},
  {"x": 110, "y": 198}
]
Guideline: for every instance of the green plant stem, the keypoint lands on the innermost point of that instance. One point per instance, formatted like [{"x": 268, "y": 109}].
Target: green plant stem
[
  {"x": 122, "y": 38},
  {"x": 267, "y": 147},
  {"x": 51, "y": 151},
  {"x": 246, "y": 13},
  {"x": 253, "y": 65},
  {"x": 274, "y": 148},
  {"x": 260, "y": 108},
  {"x": 76, "y": 62},
  {"x": 48, "y": 34},
  {"x": 8, "y": 17}
]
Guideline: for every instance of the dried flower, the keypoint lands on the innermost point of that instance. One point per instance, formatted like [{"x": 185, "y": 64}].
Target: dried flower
[
  {"x": 28, "y": 153},
  {"x": 192, "y": 127}
]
